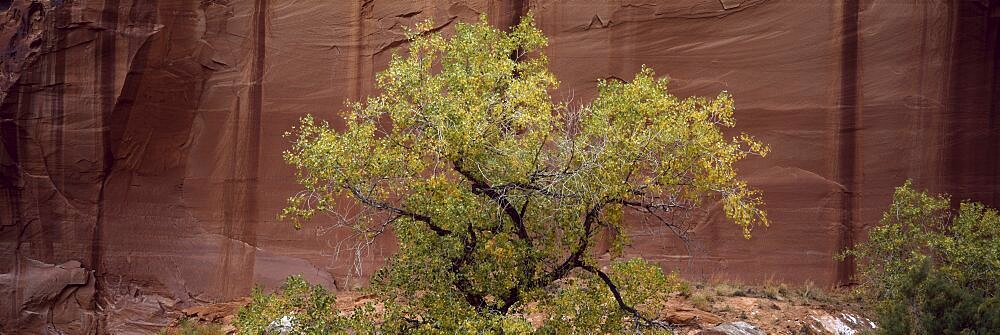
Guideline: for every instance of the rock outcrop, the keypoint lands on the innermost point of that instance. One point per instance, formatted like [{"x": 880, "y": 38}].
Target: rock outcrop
[
  {"x": 142, "y": 139},
  {"x": 48, "y": 298}
]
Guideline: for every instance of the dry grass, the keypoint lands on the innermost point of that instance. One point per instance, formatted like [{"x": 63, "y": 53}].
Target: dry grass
[{"x": 188, "y": 327}]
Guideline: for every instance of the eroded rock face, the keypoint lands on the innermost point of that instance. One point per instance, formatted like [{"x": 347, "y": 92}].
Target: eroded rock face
[
  {"x": 142, "y": 139},
  {"x": 48, "y": 298}
]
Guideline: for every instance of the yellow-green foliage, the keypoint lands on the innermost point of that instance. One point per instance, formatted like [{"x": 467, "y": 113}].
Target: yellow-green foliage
[{"x": 495, "y": 192}]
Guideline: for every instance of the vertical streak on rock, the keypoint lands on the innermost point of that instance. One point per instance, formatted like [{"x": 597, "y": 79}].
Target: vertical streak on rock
[
  {"x": 847, "y": 132},
  {"x": 951, "y": 160},
  {"x": 13, "y": 110},
  {"x": 993, "y": 43},
  {"x": 26, "y": 99},
  {"x": 519, "y": 8},
  {"x": 256, "y": 106},
  {"x": 507, "y": 13},
  {"x": 105, "y": 60},
  {"x": 240, "y": 202},
  {"x": 923, "y": 127},
  {"x": 57, "y": 84},
  {"x": 357, "y": 50},
  {"x": 969, "y": 139}
]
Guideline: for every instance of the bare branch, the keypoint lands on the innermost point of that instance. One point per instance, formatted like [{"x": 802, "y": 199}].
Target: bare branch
[{"x": 399, "y": 211}]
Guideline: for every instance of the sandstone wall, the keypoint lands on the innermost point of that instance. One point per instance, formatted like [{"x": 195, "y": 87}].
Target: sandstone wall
[{"x": 141, "y": 139}]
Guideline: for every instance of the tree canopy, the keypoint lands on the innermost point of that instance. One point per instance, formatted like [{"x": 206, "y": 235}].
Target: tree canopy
[{"x": 497, "y": 194}]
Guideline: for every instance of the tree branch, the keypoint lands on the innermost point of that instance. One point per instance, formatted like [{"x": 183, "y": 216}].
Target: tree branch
[
  {"x": 574, "y": 259},
  {"x": 482, "y": 188},
  {"x": 462, "y": 283},
  {"x": 379, "y": 205},
  {"x": 618, "y": 297}
]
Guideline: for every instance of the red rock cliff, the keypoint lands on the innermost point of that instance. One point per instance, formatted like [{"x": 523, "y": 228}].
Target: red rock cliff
[{"x": 141, "y": 140}]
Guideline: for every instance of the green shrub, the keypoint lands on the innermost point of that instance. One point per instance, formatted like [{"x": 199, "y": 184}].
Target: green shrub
[
  {"x": 931, "y": 270},
  {"x": 297, "y": 308},
  {"x": 701, "y": 300},
  {"x": 931, "y": 303},
  {"x": 187, "y": 327},
  {"x": 726, "y": 290}
]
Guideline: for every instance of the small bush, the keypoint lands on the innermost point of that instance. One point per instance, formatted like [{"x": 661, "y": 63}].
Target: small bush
[
  {"x": 727, "y": 290},
  {"x": 187, "y": 327},
  {"x": 771, "y": 292},
  {"x": 810, "y": 292},
  {"x": 298, "y": 308},
  {"x": 701, "y": 300},
  {"x": 928, "y": 269}
]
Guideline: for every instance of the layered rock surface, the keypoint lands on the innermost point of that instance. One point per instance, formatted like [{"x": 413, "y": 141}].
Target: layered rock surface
[{"x": 142, "y": 139}]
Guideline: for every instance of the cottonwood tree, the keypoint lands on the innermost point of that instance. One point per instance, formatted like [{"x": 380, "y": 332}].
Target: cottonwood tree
[{"x": 496, "y": 194}]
